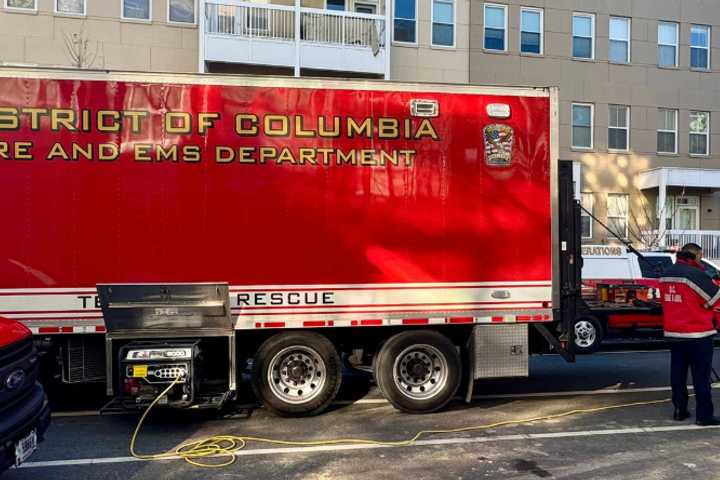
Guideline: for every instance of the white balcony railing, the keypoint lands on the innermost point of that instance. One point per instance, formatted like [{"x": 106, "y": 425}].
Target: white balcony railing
[
  {"x": 275, "y": 22},
  {"x": 342, "y": 28},
  {"x": 709, "y": 240},
  {"x": 244, "y": 32}
]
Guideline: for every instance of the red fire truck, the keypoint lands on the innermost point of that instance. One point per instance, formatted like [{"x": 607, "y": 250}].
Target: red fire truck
[{"x": 194, "y": 228}]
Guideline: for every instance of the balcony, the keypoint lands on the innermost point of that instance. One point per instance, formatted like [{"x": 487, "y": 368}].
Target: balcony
[{"x": 293, "y": 36}]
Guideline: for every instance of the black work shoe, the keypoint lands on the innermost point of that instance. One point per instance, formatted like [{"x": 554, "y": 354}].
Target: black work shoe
[
  {"x": 708, "y": 422},
  {"x": 681, "y": 415}
]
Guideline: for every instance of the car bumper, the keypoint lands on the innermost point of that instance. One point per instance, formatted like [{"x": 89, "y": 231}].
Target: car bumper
[{"x": 32, "y": 414}]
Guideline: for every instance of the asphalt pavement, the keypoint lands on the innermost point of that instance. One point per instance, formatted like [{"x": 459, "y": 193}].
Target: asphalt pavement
[{"x": 639, "y": 441}]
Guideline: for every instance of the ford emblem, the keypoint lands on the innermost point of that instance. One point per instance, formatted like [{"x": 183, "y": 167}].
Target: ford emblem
[{"x": 15, "y": 379}]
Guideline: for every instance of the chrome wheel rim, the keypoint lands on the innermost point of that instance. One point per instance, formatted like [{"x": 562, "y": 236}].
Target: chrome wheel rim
[
  {"x": 297, "y": 374},
  {"x": 420, "y": 372},
  {"x": 585, "y": 334}
]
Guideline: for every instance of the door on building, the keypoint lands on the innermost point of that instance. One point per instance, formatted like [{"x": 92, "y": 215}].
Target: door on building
[{"x": 683, "y": 213}]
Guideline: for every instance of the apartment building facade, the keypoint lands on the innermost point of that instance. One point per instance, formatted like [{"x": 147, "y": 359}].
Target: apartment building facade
[
  {"x": 428, "y": 40},
  {"x": 137, "y": 35},
  {"x": 639, "y": 86},
  {"x": 639, "y": 90}
]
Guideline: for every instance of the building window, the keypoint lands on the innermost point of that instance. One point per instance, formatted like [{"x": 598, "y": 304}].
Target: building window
[
  {"x": 21, "y": 4},
  {"x": 699, "y": 133},
  {"x": 443, "y": 23},
  {"x": 667, "y": 130},
  {"x": 368, "y": 8},
  {"x": 136, "y": 9},
  {"x": 587, "y": 201},
  {"x": 495, "y": 27},
  {"x": 337, "y": 5},
  {"x": 667, "y": 44},
  {"x": 700, "y": 47},
  {"x": 181, "y": 11},
  {"x": 619, "y": 46},
  {"x": 405, "y": 21},
  {"x": 70, "y": 7},
  {"x": 531, "y": 30},
  {"x": 617, "y": 213},
  {"x": 583, "y": 35},
  {"x": 582, "y": 125},
  {"x": 618, "y": 127}
]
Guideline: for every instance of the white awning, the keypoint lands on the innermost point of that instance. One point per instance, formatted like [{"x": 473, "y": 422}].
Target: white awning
[{"x": 679, "y": 177}]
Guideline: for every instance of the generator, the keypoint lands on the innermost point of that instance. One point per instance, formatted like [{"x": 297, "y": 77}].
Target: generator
[
  {"x": 160, "y": 335},
  {"x": 147, "y": 368}
]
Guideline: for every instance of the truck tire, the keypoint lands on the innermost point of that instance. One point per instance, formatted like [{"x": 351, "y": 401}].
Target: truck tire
[
  {"x": 418, "y": 371},
  {"x": 588, "y": 334},
  {"x": 296, "y": 373}
]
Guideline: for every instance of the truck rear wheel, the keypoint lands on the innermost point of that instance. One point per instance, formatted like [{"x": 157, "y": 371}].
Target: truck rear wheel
[
  {"x": 296, "y": 373},
  {"x": 588, "y": 334},
  {"x": 418, "y": 371}
]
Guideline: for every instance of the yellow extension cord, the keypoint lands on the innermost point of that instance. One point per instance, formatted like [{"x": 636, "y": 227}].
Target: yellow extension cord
[{"x": 225, "y": 446}]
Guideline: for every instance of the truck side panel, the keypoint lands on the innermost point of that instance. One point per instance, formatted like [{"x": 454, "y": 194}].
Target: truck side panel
[{"x": 319, "y": 203}]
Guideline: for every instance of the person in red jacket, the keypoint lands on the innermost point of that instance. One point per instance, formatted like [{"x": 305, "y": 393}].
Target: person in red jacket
[{"x": 688, "y": 296}]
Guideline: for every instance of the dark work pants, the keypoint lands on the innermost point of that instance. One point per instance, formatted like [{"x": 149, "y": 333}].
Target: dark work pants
[{"x": 696, "y": 353}]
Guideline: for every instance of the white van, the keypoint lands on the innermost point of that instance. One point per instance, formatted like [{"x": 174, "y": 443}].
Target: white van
[{"x": 603, "y": 262}]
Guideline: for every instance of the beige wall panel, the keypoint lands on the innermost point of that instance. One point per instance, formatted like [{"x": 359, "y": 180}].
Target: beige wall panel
[
  {"x": 639, "y": 119},
  {"x": 656, "y": 9},
  {"x": 672, "y": 79},
  {"x": 577, "y": 70},
  {"x": 541, "y": 71},
  {"x": 159, "y": 10},
  {"x": 644, "y": 54},
  {"x": 12, "y": 49},
  {"x": 698, "y": 12},
  {"x": 557, "y": 21},
  {"x": 618, "y": 7},
  {"x": 626, "y": 76},
  {"x": 40, "y": 51},
  {"x": 190, "y": 39},
  {"x": 100, "y": 30},
  {"x": 124, "y": 57},
  {"x": 557, "y": 45},
  {"x": 455, "y": 76},
  {"x": 119, "y": 44},
  {"x": 132, "y": 33},
  {"x": 164, "y": 59},
  {"x": 640, "y": 30},
  {"x": 104, "y": 8},
  {"x": 606, "y": 93},
  {"x": 405, "y": 56},
  {"x": 533, "y": 3},
  {"x": 168, "y": 36},
  {"x": 26, "y": 25}
]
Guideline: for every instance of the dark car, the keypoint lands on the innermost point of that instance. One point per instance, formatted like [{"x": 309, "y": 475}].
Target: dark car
[{"x": 24, "y": 410}]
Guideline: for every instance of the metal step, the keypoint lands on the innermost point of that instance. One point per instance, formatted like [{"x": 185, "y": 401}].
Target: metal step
[{"x": 114, "y": 407}]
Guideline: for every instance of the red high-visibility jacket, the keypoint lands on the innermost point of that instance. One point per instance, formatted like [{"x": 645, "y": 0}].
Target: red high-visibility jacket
[{"x": 688, "y": 296}]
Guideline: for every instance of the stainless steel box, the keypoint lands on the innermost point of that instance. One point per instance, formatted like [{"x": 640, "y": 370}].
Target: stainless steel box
[{"x": 500, "y": 351}]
